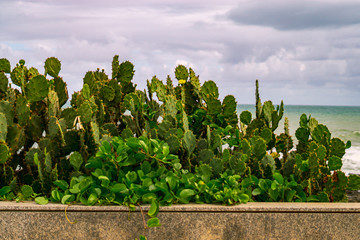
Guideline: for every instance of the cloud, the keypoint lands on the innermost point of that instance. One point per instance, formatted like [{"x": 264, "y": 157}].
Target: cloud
[
  {"x": 157, "y": 35},
  {"x": 296, "y": 15}
]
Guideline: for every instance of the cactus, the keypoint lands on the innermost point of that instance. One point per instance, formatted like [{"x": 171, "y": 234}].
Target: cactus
[
  {"x": 209, "y": 90},
  {"x": 53, "y": 104},
  {"x": 181, "y": 74},
  {"x": 189, "y": 141},
  {"x": 5, "y": 65},
  {"x": 18, "y": 74},
  {"x": 205, "y": 156},
  {"x": 115, "y": 66},
  {"x": 52, "y": 67},
  {"x": 61, "y": 90},
  {"x": 4, "y": 153},
  {"x": 245, "y": 117},
  {"x": 37, "y": 89},
  {"x": 237, "y": 163},
  {"x": 258, "y": 104},
  {"x": 7, "y": 108},
  {"x": 4, "y": 82},
  {"x": 85, "y": 112},
  {"x": 213, "y": 106},
  {"x": 22, "y": 110},
  {"x": 125, "y": 72},
  {"x": 217, "y": 165},
  {"x": 3, "y": 127},
  {"x": 32, "y": 72},
  {"x": 170, "y": 106}
]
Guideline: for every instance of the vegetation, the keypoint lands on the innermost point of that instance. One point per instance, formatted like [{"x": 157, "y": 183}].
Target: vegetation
[{"x": 167, "y": 144}]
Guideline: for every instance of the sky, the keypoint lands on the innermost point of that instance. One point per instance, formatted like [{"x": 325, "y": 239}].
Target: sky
[{"x": 303, "y": 52}]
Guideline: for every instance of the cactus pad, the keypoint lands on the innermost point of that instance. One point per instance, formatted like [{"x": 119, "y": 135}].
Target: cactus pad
[
  {"x": 189, "y": 141},
  {"x": 4, "y": 153},
  {"x": 37, "y": 89},
  {"x": 85, "y": 112},
  {"x": 3, "y": 82},
  {"x": 52, "y": 66},
  {"x": 22, "y": 110},
  {"x": 245, "y": 117},
  {"x": 61, "y": 90},
  {"x": 5, "y": 65},
  {"x": 209, "y": 90},
  {"x": 125, "y": 72},
  {"x": 18, "y": 75},
  {"x": 181, "y": 73},
  {"x": 3, "y": 127}
]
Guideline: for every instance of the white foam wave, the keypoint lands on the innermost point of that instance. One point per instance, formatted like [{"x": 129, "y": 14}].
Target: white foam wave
[{"x": 351, "y": 160}]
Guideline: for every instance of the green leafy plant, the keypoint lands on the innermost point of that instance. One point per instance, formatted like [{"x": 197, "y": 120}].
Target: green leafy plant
[{"x": 168, "y": 144}]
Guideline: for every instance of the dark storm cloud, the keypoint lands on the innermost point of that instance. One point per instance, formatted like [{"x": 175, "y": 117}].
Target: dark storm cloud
[{"x": 296, "y": 15}]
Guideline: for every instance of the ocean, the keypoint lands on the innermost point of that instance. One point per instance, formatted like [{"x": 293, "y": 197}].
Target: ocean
[{"x": 342, "y": 121}]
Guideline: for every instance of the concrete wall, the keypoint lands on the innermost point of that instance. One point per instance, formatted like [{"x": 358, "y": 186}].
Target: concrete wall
[{"x": 28, "y": 220}]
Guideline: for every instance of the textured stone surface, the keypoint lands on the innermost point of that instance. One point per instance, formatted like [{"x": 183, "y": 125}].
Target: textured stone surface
[{"x": 247, "y": 221}]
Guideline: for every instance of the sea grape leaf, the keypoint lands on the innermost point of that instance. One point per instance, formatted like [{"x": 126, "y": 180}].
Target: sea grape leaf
[
  {"x": 152, "y": 222},
  {"x": 41, "y": 200},
  {"x": 154, "y": 208},
  {"x": 119, "y": 188},
  {"x": 4, "y": 190},
  {"x": 148, "y": 197},
  {"x": 186, "y": 194},
  {"x": 68, "y": 198},
  {"x": 256, "y": 191},
  {"x": 61, "y": 184},
  {"x": 279, "y": 178}
]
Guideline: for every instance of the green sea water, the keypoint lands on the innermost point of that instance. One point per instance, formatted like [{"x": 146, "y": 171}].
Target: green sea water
[{"x": 342, "y": 121}]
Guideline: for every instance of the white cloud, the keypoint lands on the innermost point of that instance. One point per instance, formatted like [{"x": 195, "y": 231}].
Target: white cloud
[{"x": 293, "y": 57}]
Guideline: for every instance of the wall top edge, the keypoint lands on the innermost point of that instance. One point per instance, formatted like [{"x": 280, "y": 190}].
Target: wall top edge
[{"x": 248, "y": 207}]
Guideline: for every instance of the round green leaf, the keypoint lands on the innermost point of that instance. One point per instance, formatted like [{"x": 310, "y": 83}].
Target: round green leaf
[
  {"x": 41, "y": 200},
  {"x": 153, "y": 222},
  {"x": 154, "y": 208}
]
